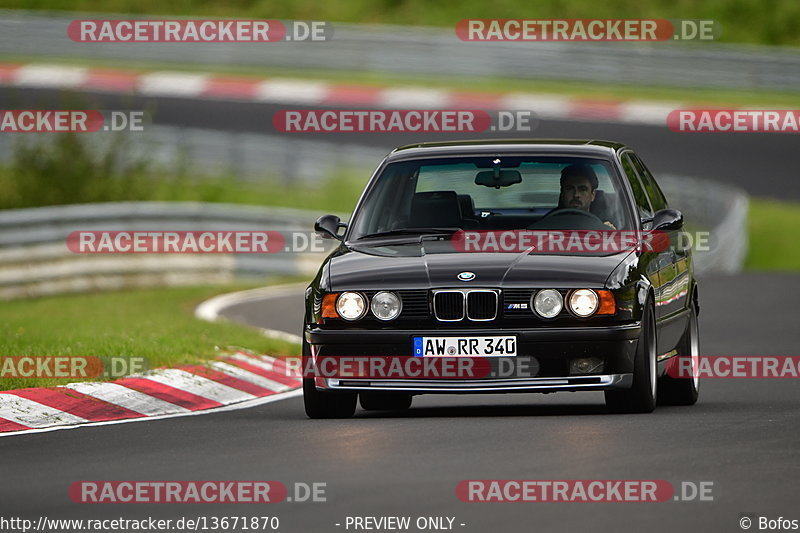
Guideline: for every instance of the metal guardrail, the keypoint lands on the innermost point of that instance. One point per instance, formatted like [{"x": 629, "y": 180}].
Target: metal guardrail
[
  {"x": 719, "y": 209},
  {"x": 35, "y": 260},
  {"x": 434, "y": 51}
]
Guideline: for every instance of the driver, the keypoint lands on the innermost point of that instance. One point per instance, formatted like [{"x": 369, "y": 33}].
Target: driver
[{"x": 578, "y": 189}]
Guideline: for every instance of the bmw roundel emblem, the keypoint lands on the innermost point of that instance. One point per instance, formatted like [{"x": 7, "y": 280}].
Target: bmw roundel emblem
[{"x": 466, "y": 276}]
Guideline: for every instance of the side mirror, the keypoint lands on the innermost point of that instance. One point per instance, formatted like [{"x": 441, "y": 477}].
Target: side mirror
[
  {"x": 668, "y": 219},
  {"x": 328, "y": 226}
]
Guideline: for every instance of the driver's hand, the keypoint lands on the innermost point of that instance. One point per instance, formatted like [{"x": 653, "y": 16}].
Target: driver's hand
[{"x": 609, "y": 224}]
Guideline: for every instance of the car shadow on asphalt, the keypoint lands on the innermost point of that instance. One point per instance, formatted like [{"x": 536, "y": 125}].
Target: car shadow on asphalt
[
  {"x": 540, "y": 410},
  {"x": 468, "y": 411}
]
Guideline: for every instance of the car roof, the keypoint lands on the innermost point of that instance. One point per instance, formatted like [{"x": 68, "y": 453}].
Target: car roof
[{"x": 518, "y": 146}]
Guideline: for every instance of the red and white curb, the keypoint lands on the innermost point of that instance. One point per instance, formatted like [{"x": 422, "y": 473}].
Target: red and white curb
[
  {"x": 236, "y": 381},
  {"x": 308, "y": 92}
]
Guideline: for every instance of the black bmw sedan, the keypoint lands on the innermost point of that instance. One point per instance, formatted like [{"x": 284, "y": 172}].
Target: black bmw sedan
[{"x": 535, "y": 265}]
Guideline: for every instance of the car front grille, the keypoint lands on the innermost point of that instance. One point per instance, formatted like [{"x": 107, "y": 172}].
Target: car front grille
[
  {"x": 448, "y": 306},
  {"x": 477, "y": 305},
  {"x": 481, "y": 305}
]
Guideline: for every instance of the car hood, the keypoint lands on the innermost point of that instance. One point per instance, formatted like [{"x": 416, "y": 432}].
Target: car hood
[{"x": 433, "y": 263}]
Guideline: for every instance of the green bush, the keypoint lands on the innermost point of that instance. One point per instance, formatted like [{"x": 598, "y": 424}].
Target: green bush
[
  {"x": 64, "y": 169},
  {"x": 72, "y": 168}
]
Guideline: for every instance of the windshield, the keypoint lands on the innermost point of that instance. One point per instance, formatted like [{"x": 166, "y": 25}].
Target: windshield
[{"x": 492, "y": 193}]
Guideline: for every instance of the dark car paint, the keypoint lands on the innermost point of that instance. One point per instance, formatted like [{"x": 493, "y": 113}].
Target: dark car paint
[
  {"x": 362, "y": 267},
  {"x": 664, "y": 278}
]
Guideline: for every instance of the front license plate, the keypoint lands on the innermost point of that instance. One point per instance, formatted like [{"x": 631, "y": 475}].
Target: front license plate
[{"x": 465, "y": 346}]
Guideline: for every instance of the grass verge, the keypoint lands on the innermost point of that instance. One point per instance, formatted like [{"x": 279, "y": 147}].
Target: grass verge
[
  {"x": 773, "y": 242},
  {"x": 335, "y": 195},
  {"x": 156, "y": 324}
]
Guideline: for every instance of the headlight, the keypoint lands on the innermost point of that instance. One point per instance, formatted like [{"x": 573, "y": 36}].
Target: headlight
[
  {"x": 386, "y": 305},
  {"x": 548, "y": 303},
  {"x": 351, "y": 305},
  {"x": 583, "y": 302}
]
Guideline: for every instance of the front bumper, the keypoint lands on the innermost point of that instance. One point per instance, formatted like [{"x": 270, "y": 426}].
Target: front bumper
[
  {"x": 553, "y": 348},
  {"x": 427, "y": 386}
]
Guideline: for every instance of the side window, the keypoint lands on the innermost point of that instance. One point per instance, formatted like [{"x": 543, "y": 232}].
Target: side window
[
  {"x": 645, "y": 211},
  {"x": 657, "y": 199}
]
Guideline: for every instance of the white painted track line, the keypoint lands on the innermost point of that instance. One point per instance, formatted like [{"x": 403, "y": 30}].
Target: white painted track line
[
  {"x": 47, "y": 76},
  {"x": 294, "y": 91},
  {"x": 172, "y": 84}
]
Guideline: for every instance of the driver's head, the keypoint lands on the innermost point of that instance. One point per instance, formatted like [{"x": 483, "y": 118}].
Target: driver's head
[{"x": 578, "y": 185}]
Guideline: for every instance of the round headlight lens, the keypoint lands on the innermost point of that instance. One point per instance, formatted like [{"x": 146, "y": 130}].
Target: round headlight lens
[
  {"x": 548, "y": 303},
  {"x": 351, "y": 305},
  {"x": 386, "y": 305},
  {"x": 583, "y": 302}
]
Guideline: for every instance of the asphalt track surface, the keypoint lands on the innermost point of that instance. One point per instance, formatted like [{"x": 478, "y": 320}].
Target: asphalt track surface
[{"x": 743, "y": 435}]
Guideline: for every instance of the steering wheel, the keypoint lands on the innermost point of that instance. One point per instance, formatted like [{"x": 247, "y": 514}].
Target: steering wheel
[{"x": 569, "y": 211}]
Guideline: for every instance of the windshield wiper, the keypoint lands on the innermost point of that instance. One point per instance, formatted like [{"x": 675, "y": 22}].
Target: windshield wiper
[{"x": 410, "y": 231}]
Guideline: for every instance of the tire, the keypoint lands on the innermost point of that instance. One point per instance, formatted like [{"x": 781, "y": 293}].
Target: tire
[
  {"x": 323, "y": 404},
  {"x": 641, "y": 397},
  {"x": 683, "y": 391},
  {"x": 381, "y": 401}
]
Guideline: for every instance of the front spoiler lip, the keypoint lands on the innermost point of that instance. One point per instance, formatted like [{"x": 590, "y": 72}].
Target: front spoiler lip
[
  {"x": 450, "y": 386},
  {"x": 401, "y": 336}
]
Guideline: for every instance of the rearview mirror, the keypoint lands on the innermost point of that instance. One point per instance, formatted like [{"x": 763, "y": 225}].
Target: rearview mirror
[
  {"x": 668, "y": 219},
  {"x": 498, "y": 178},
  {"x": 328, "y": 227}
]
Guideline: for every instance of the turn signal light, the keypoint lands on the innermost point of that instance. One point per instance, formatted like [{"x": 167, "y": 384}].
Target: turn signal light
[
  {"x": 608, "y": 305},
  {"x": 329, "y": 305}
]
